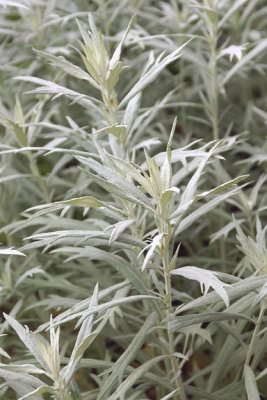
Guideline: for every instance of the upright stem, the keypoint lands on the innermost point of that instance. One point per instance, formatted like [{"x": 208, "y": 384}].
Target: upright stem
[
  {"x": 214, "y": 109},
  {"x": 38, "y": 176},
  {"x": 254, "y": 338},
  {"x": 213, "y": 31},
  {"x": 255, "y": 333},
  {"x": 168, "y": 301}
]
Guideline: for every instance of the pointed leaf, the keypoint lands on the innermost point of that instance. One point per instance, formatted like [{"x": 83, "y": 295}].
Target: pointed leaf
[
  {"x": 118, "y": 228},
  {"x": 206, "y": 279},
  {"x": 27, "y": 338},
  {"x": 125, "y": 359},
  {"x": 178, "y": 323},
  {"x": 150, "y": 75}
]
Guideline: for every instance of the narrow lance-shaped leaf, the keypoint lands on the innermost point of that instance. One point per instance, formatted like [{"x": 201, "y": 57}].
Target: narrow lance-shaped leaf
[
  {"x": 83, "y": 339},
  {"x": 236, "y": 290},
  {"x": 251, "y": 386},
  {"x": 134, "y": 376},
  {"x": 166, "y": 169},
  {"x": 39, "y": 391},
  {"x": 10, "y": 252},
  {"x": 125, "y": 359},
  {"x": 188, "y": 320},
  {"x": 221, "y": 187},
  {"x": 119, "y": 228},
  {"x": 237, "y": 4},
  {"x": 195, "y": 215},
  {"x": 27, "y": 338},
  {"x": 152, "y": 73},
  {"x": 106, "y": 306},
  {"x": 190, "y": 190},
  {"x": 116, "y": 184},
  {"x": 117, "y": 53},
  {"x": 68, "y": 67},
  {"x": 49, "y": 87},
  {"x": 22, "y": 383}
]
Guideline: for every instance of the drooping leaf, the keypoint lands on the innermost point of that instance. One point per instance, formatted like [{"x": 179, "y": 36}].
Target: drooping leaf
[{"x": 206, "y": 279}]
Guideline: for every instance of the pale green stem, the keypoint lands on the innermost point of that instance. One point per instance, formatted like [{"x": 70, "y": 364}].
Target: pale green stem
[
  {"x": 62, "y": 392},
  {"x": 255, "y": 333},
  {"x": 38, "y": 177},
  {"x": 214, "y": 114},
  {"x": 214, "y": 83},
  {"x": 254, "y": 337},
  {"x": 168, "y": 301}
]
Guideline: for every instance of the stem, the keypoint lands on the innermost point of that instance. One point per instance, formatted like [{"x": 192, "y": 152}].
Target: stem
[
  {"x": 213, "y": 30},
  {"x": 174, "y": 363},
  {"x": 255, "y": 333},
  {"x": 38, "y": 177},
  {"x": 254, "y": 338}
]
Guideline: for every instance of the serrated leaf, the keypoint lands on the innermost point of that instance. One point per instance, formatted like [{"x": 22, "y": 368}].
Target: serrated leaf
[
  {"x": 206, "y": 279},
  {"x": 233, "y": 51},
  {"x": 259, "y": 49},
  {"x": 156, "y": 242},
  {"x": 236, "y": 290}
]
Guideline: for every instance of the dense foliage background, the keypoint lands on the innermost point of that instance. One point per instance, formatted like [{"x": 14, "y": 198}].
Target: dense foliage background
[{"x": 133, "y": 159}]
